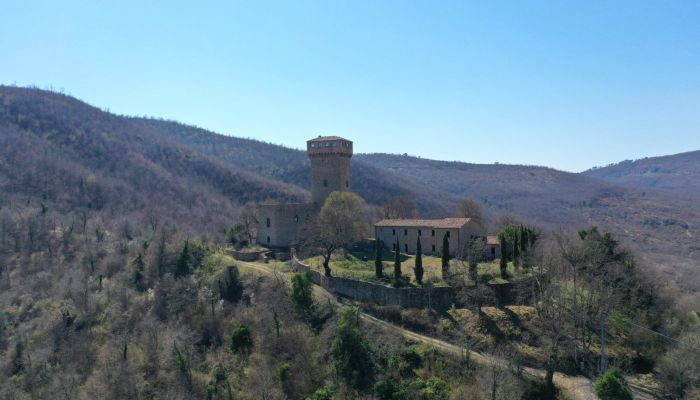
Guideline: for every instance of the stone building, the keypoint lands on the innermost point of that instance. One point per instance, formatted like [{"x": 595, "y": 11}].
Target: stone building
[
  {"x": 330, "y": 172},
  {"x": 430, "y": 231},
  {"x": 494, "y": 247}
]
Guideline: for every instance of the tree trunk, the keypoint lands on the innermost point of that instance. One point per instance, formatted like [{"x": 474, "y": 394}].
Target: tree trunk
[{"x": 326, "y": 262}]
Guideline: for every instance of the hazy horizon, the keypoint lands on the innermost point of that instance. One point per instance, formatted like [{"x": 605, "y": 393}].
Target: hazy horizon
[{"x": 564, "y": 86}]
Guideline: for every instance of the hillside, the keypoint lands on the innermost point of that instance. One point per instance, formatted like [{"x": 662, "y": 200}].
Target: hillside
[
  {"x": 74, "y": 158},
  {"x": 292, "y": 166},
  {"x": 660, "y": 226},
  {"x": 679, "y": 173}
]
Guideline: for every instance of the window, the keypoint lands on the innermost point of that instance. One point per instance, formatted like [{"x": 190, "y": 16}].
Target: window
[
  {"x": 405, "y": 232},
  {"x": 296, "y": 218},
  {"x": 448, "y": 233},
  {"x": 267, "y": 223},
  {"x": 347, "y": 184},
  {"x": 393, "y": 232},
  {"x": 432, "y": 233},
  {"x": 405, "y": 246},
  {"x": 268, "y": 240},
  {"x": 393, "y": 247},
  {"x": 325, "y": 183},
  {"x": 493, "y": 252},
  {"x": 433, "y": 248},
  {"x": 419, "y": 232}
]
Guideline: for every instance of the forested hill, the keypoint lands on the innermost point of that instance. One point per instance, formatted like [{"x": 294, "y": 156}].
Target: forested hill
[
  {"x": 292, "y": 166},
  {"x": 679, "y": 173},
  {"x": 60, "y": 153},
  {"x": 70, "y": 157}
]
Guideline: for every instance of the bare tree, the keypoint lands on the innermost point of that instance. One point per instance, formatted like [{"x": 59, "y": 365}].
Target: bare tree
[
  {"x": 249, "y": 220},
  {"x": 470, "y": 208},
  {"x": 341, "y": 222},
  {"x": 400, "y": 207}
]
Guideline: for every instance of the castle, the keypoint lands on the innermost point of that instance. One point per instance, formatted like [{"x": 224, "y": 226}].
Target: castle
[{"x": 330, "y": 172}]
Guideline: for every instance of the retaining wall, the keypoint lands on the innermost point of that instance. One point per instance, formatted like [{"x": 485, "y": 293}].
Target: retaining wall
[
  {"x": 437, "y": 298},
  {"x": 440, "y": 298}
]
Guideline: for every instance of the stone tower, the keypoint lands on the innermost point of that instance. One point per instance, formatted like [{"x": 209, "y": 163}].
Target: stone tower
[{"x": 330, "y": 166}]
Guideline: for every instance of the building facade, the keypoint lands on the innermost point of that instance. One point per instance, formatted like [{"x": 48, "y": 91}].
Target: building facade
[
  {"x": 430, "y": 231},
  {"x": 329, "y": 156}
]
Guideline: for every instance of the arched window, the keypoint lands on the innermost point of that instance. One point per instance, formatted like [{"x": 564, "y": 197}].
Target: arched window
[{"x": 267, "y": 223}]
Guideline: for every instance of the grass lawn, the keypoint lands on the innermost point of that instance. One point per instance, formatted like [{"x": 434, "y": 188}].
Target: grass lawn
[
  {"x": 491, "y": 272},
  {"x": 360, "y": 266},
  {"x": 355, "y": 268}
]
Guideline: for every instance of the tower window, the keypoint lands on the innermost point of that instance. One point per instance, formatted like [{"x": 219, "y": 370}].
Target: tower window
[
  {"x": 419, "y": 232},
  {"x": 448, "y": 233},
  {"x": 267, "y": 223},
  {"x": 405, "y": 246},
  {"x": 325, "y": 183},
  {"x": 393, "y": 232},
  {"x": 268, "y": 240},
  {"x": 405, "y": 232},
  {"x": 432, "y": 233},
  {"x": 433, "y": 248},
  {"x": 347, "y": 184}
]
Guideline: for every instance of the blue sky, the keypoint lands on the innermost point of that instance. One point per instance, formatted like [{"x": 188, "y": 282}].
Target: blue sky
[{"x": 567, "y": 84}]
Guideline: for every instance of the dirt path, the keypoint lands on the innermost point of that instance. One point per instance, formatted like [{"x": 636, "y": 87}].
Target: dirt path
[{"x": 573, "y": 387}]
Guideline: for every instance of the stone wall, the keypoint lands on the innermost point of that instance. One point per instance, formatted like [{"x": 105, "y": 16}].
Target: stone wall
[
  {"x": 279, "y": 223},
  {"x": 440, "y": 298},
  {"x": 246, "y": 255}
]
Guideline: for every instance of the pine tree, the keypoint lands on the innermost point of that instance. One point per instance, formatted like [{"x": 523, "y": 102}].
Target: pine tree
[
  {"x": 378, "y": 265},
  {"x": 182, "y": 267},
  {"x": 397, "y": 260},
  {"x": 139, "y": 273},
  {"x": 418, "y": 269},
  {"x": 445, "y": 256}
]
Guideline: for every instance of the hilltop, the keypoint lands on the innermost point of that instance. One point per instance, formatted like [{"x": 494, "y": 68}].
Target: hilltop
[{"x": 678, "y": 173}]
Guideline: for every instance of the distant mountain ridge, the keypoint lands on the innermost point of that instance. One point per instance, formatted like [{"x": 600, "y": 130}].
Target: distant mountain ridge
[
  {"x": 57, "y": 150},
  {"x": 678, "y": 173}
]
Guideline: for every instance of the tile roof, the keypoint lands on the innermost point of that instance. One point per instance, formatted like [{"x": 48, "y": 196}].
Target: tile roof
[{"x": 431, "y": 223}]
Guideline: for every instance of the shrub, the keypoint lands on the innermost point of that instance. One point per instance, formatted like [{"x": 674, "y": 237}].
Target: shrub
[
  {"x": 612, "y": 386},
  {"x": 301, "y": 295},
  {"x": 241, "y": 339},
  {"x": 285, "y": 375},
  {"x": 324, "y": 393},
  {"x": 351, "y": 353},
  {"x": 387, "y": 389},
  {"x": 230, "y": 286}
]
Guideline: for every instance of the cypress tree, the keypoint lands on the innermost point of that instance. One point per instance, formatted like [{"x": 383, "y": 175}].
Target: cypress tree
[
  {"x": 504, "y": 255},
  {"x": 516, "y": 246},
  {"x": 397, "y": 260},
  {"x": 445, "y": 256},
  {"x": 378, "y": 265},
  {"x": 418, "y": 268}
]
